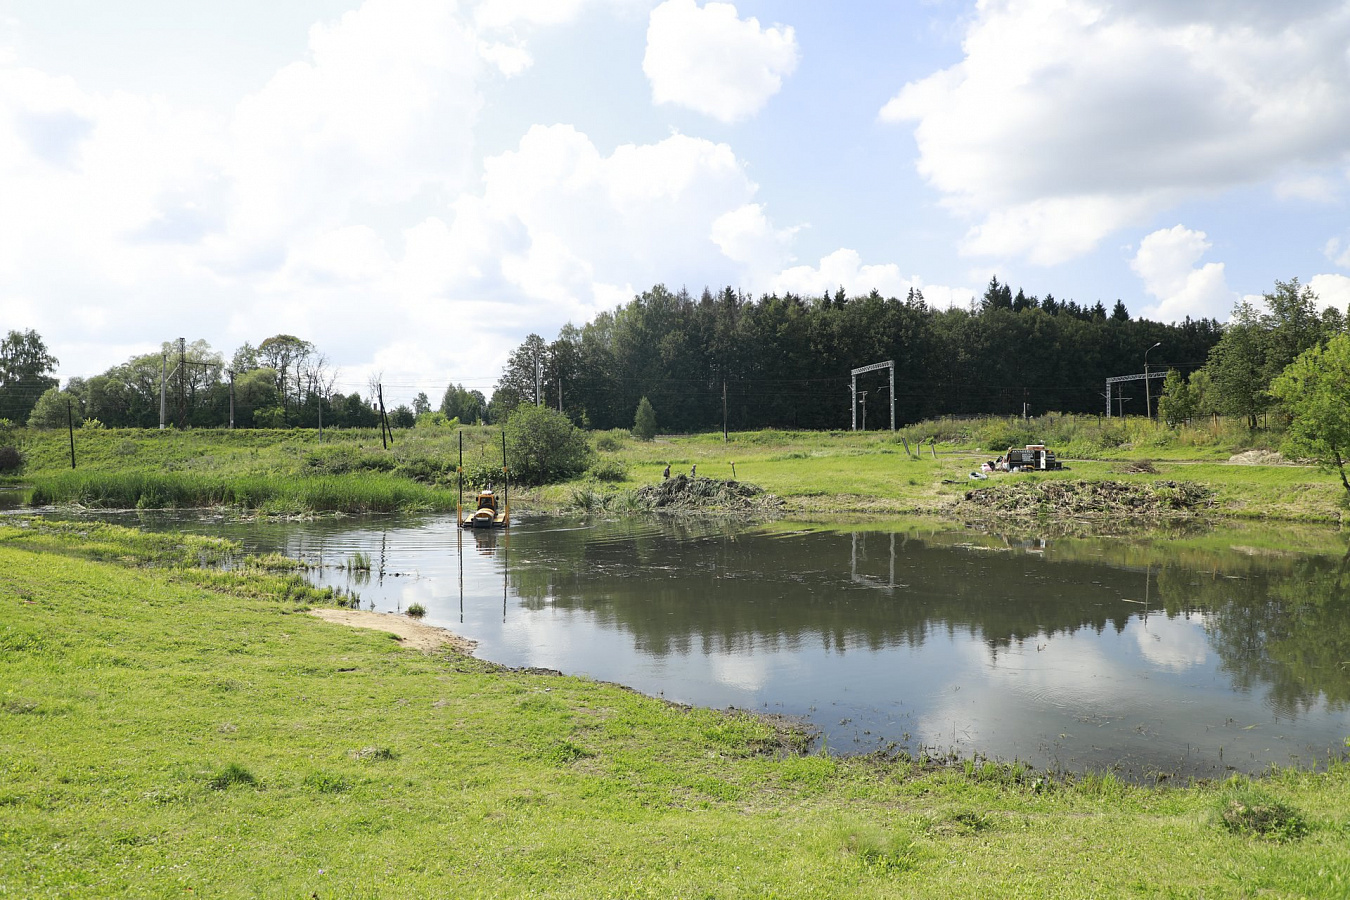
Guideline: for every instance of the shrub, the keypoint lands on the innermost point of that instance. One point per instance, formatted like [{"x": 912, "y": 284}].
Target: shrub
[
  {"x": 416, "y": 610},
  {"x": 609, "y": 470},
  {"x": 544, "y": 446},
  {"x": 436, "y": 419},
  {"x": 1002, "y": 435},
  {"x": 11, "y": 460},
  {"x": 481, "y": 474},
  {"x": 609, "y": 442}
]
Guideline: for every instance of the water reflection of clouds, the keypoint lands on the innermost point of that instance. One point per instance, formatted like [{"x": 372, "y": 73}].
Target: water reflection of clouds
[
  {"x": 1018, "y": 702},
  {"x": 747, "y": 673},
  {"x": 1175, "y": 644}
]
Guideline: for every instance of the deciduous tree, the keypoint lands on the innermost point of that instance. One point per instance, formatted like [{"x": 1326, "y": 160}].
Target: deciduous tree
[
  {"x": 1314, "y": 390},
  {"x": 543, "y": 446},
  {"x": 25, "y": 373}
]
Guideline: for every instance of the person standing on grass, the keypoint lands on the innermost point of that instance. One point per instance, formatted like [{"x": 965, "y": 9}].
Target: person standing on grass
[{"x": 666, "y": 473}]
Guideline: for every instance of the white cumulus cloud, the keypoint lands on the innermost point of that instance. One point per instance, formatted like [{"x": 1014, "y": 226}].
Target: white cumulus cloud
[
  {"x": 1069, "y": 119},
  {"x": 1166, "y": 261},
  {"x": 1338, "y": 252},
  {"x": 711, "y": 61},
  {"x": 845, "y": 268},
  {"x": 1332, "y": 290}
]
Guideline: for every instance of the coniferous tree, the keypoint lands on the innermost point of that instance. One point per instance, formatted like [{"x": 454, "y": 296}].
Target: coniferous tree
[{"x": 644, "y": 423}]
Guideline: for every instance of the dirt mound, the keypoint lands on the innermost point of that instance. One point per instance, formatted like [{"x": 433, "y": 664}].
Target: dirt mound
[
  {"x": 1094, "y": 499},
  {"x": 1141, "y": 467},
  {"x": 1258, "y": 458},
  {"x": 684, "y": 493}
]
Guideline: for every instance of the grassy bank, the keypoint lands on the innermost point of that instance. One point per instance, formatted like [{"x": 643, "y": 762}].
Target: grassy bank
[
  {"x": 269, "y": 494},
  {"x": 165, "y": 734},
  {"x": 922, "y": 469}
]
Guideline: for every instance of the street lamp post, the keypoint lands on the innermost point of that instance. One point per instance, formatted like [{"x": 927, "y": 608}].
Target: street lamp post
[{"x": 1148, "y": 396}]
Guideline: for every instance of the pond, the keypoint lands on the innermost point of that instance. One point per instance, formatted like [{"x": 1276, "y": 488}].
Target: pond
[{"x": 1157, "y": 657}]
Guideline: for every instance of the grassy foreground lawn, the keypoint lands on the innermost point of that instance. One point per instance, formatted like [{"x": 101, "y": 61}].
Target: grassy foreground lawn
[{"x": 166, "y": 732}]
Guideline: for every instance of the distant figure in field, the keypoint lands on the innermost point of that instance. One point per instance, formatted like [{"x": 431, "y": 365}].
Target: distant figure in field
[
  {"x": 693, "y": 469},
  {"x": 666, "y": 473}
]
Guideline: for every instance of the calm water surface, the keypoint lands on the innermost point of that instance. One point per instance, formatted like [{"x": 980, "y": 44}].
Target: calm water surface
[{"x": 1146, "y": 657}]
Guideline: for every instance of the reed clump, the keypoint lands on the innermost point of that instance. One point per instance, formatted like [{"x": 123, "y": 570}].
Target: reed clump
[{"x": 271, "y": 495}]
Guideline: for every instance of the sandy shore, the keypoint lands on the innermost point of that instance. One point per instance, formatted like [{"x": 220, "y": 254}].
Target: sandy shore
[{"x": 411, "y": 632}]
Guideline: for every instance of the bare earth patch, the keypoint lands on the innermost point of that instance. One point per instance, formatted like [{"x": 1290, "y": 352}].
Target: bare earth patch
[
  {"x": 1258, "y": 458},
  {"x": 413, "y": 634}
]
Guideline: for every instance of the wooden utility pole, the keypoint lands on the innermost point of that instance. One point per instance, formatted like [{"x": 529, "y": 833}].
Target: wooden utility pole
[
  {"x": 384, "y": 420},
  {"x": 70, "y": 425},
  {"x": 163, "y": 377},
  {"x": 724, "y": 410},
  {"x": 231, "y": 399}
]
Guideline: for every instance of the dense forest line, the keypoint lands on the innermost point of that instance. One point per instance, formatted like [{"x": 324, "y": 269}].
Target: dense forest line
[
  {"x": 781, "y": 362},
  {"x": 785, "y": 362}
]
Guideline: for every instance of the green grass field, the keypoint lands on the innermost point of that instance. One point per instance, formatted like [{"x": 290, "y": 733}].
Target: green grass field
[
  {"x": 825, "y": 474},
  {"x": 167, "y": 731}
]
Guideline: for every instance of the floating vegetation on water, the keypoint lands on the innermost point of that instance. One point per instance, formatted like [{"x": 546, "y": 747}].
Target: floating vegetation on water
[
  {"x": 346, "y": 598},
  {"x": 359, "y": 561}
]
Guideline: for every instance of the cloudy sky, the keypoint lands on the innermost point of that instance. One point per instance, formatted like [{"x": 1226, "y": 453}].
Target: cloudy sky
[{"x": 415, "y": 185}]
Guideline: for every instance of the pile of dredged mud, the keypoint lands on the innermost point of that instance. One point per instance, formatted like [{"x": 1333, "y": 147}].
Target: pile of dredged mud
[
  {"x": 1104, "y": 500},
  {"x": 682, "y": 492}
]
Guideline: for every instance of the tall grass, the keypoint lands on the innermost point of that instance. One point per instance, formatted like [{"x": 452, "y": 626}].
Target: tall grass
[
  {"x": 367, "y": 492},
  {"x": 1087, "y": 437}
]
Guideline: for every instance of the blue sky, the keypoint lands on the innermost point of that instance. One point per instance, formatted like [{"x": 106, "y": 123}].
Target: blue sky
[{"x": 415, "y": 185}]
